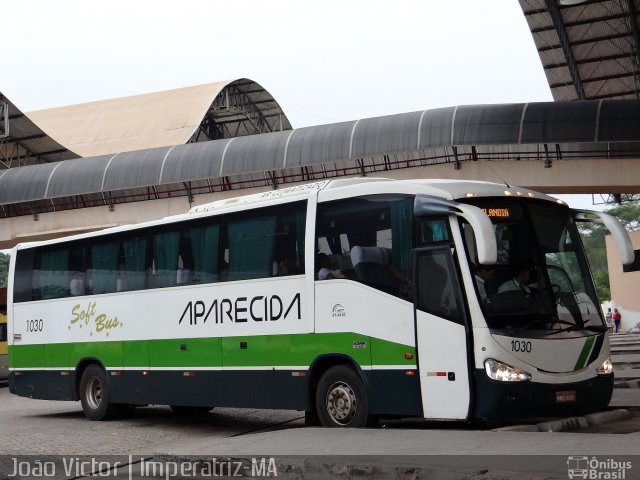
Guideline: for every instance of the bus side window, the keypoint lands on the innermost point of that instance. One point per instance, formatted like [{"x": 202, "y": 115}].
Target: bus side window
[
  {"x": 118, "y": 263},
  {"x": 76, "y": 270},
  {"x": 266, "y": 242},
  {"x": 432, "y": 230},
  {"x": 166, "y": 252},
  {"x": 23, "y": 279},
  {"x": 251, "y": 245},
  {"x": 58, "y": 271},
  {"x": 133, "y": 269},
  {"x": 185, "y": 254},
  {"x": 104, "y": 258},
  {"x": 204, "y": 245},
  {"x": 51, "y": 276},
  {"x": 367, "y": 239}
]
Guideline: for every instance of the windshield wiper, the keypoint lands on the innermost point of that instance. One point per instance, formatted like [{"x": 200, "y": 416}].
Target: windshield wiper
[
  {"x": 514, "y": 330},
  {"x": 572, "y": 327}
]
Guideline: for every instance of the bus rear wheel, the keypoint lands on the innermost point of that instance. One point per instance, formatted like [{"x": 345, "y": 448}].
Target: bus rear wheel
[
  {"x": 341, "y": 399},
  {"x": 94, "y": 394}
]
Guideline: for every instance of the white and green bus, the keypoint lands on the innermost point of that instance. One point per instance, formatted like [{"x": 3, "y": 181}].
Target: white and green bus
[
  {"x": 4, "y": 363},
  {"x": 348, "y": 299}
]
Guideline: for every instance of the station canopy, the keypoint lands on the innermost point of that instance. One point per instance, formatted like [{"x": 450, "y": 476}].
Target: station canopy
[
  {"x": 22, "y": 142},
  {"x": 589, "y": 49},
  {"x": 535, "y": 131}
]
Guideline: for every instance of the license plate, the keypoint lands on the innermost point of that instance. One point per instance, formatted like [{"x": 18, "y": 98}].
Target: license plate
[{"x": 568, "y": 396}]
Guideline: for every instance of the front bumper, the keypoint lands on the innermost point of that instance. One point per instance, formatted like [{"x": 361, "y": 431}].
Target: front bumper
[{"x": 500, "y": 400}]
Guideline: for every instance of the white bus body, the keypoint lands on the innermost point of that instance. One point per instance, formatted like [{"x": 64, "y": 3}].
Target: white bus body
[{"x": 348, "y": 299}]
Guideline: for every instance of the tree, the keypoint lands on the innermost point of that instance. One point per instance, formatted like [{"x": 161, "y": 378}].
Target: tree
[{"x": 4, "y": 269}]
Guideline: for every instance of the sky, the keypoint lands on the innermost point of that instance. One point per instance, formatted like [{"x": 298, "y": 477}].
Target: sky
[{"x": 323, "y": 62}]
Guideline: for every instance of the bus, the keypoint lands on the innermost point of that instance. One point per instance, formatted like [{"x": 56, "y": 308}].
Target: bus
[
  {"x": 349, "y": 299},
  {"x": 4, "y": 362}
]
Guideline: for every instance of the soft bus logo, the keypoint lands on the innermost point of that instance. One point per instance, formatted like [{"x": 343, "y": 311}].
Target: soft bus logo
[
  {"x": 262, "y": 308},
  {"x": 88, "y": 317}
]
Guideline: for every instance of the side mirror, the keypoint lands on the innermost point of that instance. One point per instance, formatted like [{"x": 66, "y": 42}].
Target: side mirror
[{"x": 618, "y": 232}]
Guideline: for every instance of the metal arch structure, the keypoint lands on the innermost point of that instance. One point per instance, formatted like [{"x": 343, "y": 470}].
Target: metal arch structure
[
  {"x": 590, "y": 50},
  {"x": 23, "y": 143},
  {"x": 235, "y": 113},
  {"x": 242, "y": 108},
  {"x": 214, "y": 111}
]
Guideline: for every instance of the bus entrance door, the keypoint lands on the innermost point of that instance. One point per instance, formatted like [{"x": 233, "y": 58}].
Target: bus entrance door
[{"x": 441, "y": 335}]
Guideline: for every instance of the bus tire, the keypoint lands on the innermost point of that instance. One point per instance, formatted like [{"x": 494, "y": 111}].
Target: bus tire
[
  {"x": 311, "y": 419},
  {"x": 341, "y": 399},
  {"x": 94, "y": 394}
]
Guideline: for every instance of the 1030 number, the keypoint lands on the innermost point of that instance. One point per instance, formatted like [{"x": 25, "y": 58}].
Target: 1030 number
[
  {"x": 521, "y": 346},
  {"x": 35, "y": 325}
]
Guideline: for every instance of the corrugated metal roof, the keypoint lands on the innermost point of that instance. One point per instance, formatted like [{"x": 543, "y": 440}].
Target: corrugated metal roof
[
  {"x": 24, "y": 143},
  {"x": 589, "y": 50},
  {"x": 603, "y": 128},
  {"x": 162, "y": 119}
]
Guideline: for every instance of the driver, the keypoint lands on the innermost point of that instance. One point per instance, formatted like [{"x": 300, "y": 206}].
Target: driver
[
  {"x": 483, "y": 275},
  {"x": 520, "y": 280}
]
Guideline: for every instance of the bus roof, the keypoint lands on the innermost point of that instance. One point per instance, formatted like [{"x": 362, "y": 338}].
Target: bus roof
[
  {"x": 443, "y": 188},
  {"x": 473, "y": 188}
]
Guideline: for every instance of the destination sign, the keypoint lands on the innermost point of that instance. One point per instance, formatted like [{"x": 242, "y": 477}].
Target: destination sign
[{"x": 497, "y": 212}]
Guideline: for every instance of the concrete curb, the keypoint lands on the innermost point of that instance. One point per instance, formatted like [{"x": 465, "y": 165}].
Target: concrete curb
[
  {"x": 628, "y": 384},
  {"x": 563, "y": 424},
  {"x": 571, "y": 423},
  {"x": 517, "y": 428},
  {"x": 608, "y": 416}
]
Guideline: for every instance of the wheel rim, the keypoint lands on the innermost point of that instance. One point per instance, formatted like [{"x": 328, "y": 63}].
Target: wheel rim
[
  {"x": 93, "y": 393},
  {"x": 341, "y": 403}
]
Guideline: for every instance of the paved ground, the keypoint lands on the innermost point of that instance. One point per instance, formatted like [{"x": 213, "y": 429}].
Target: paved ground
[{"x": 36, "y": 427}]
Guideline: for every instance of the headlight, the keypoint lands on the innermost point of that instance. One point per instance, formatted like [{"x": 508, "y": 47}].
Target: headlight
[
  {"x": 505, "y": 373},
  {"x": 606, "y": 368}
]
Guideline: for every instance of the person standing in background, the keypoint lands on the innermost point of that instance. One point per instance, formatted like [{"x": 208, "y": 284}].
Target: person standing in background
[
  {"x": 616, "y": 319},
  {"x": 609, "y": 319}
]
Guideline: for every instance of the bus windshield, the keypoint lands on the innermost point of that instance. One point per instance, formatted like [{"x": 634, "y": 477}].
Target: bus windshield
[{"x": 541, "y": 279}]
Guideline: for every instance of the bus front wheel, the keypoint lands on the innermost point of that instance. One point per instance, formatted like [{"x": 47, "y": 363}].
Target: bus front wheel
[
  {"x": 341, "y": 399},
  {"x": 94, "y": 394}
]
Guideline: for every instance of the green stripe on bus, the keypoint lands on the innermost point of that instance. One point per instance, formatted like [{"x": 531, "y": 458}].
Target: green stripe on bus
[
  {"x": 584, "y": 354},
  {"x": 249, "y": 351}
]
